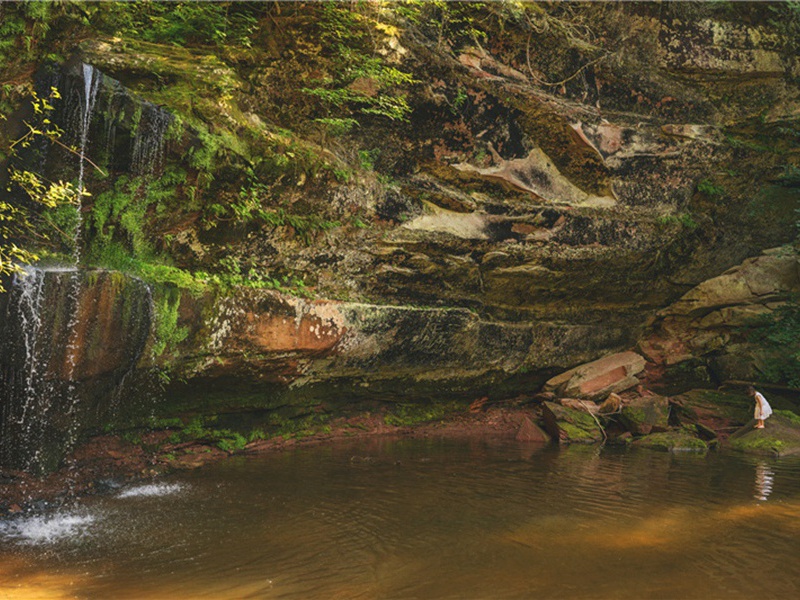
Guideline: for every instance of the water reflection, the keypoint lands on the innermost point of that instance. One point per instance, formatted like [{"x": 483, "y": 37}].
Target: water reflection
[
  {"x": 765, "y": 478},
  {"x": 437, "y": 519}
]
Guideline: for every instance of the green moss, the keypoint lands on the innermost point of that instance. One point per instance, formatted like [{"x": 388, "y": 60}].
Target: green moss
[
  {"x": 579, "y": 433},
  {"x": 167, "y": 332},
  {"x": 407, "y": 415},
  {"x": 764, "y": 444},
  {"x": 790, "y": 416}
]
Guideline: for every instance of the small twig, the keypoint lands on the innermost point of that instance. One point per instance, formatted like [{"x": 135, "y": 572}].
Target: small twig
[
  {"x": 602, "y": 429},
  {"x": 76, "y": 153},
  {"x": 563, "y": 81}
]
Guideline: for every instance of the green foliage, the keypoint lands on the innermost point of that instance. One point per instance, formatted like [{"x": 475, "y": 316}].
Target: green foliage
[
  {"x": 458, "y": 101},
  {"x": 709, "y": 188},
  {"x": 362, "y": 81},
  {"x": 337, "y": 126},
  {"x": 367, "y": 158},
  {"x": 681, "y": 219},
  {"x": 792, "y": 417},
  {"x": 120, "y": 215},
  {"x": 790, "y": 176},
  {"x": 759, "y": 445},
  {"x": 230, "y": 441},
  {"x": 181, "y": 23},
  {"x": 167, "y": 332},
  {"x": 19, "y": 223}
]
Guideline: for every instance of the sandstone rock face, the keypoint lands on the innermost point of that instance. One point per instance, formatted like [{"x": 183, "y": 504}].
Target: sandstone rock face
[
  {"x": 706, "y": 323},
  {"x": 505, "y": 230},
  {"x": 586, "y": 406},
  {"x": 307, "y": 347},
  {"x": 714, "y": 48},
  {"x": 597, "y": 379}
]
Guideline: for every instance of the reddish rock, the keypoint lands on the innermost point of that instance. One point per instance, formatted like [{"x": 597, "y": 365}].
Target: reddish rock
[
  {"x": 530, "y": 432},
  {"x": 594, "y": 380}
]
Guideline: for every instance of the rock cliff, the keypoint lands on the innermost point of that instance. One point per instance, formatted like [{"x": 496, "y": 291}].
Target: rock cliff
[{"x": 424, "y": 201}]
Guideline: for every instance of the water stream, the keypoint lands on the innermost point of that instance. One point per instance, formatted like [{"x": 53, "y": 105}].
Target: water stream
[{"x": 426, "y": 519}]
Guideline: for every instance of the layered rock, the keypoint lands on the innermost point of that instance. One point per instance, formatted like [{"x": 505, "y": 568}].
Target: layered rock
[
  {"x": 598, "y": 379},
  {"x": 708, "y": 323}
]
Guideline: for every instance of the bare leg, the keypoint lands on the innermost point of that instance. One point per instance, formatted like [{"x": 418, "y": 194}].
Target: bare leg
[{"x": 760, "y": 424}]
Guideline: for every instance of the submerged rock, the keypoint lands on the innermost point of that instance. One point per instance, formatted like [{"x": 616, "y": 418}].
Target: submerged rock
[
  {"x": 780, "y": 436},
  {"x": 531, "y": 432},
  {"x": 672, "y": 441}
]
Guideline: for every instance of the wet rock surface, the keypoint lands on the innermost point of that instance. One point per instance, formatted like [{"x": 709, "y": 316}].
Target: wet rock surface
[{"x": 779, "y": 437}]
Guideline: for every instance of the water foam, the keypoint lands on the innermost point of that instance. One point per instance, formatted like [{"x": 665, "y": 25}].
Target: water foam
[
  {"x": 46, "y": 529},
  {"x": 151, "y": 490}
]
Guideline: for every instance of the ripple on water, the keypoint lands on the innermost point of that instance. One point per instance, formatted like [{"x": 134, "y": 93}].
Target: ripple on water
[
  {"x": 151, "y": 490},
  {"x": 47, "y": 529}
]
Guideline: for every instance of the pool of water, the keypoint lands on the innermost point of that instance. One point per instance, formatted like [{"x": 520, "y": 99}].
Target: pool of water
[{"x": 388, "y": 518}]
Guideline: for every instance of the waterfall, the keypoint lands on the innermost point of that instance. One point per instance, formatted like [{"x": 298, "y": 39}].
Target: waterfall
[
  {"x": 91, "y": 83},
  {"x": 58, "y": 380},
  {"x": 148, "y": 144},
  {"x": 30, "y": 394},
  {"x": 26, "y": 387}
]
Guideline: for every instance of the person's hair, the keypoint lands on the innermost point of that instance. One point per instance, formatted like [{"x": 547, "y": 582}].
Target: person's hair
[{"x": 751, "y": 389}]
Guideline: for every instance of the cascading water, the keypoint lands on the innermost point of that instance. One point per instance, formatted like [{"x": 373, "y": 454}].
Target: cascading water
[
  {"x": 148, "y": 143},
  {"x": 68, "y": 346},
  {"x": 19, "y": 430},
  {"x": 91, "y": 83},
  {"x": 51, "y": 392}
]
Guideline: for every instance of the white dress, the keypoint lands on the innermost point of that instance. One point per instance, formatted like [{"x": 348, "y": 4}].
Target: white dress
[{"x": 763, "y": 409}]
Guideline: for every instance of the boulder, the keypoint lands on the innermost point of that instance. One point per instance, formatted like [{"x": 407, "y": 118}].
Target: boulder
[
  {"x": 531, "y": 432},
  {"x": 610, "y": 405},
  {"x": 594, "y": 380},
  {"x": 679, "y": 440},
  {"x": 780, "y": 436},
  {"x": 586, "y": 406},
  {"x": 645, "y": 415},
  {"x": 712, "y": 410},
  {"x": 568, "y": 425}
]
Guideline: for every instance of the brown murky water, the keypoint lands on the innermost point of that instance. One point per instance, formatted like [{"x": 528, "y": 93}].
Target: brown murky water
[{"x": 426, "y": 519}]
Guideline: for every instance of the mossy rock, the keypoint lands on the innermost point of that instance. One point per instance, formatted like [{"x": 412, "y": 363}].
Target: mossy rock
[
  {"x": 713, "y": 408},
  {"x": 672, "y": 441},
  {"x": 780, "y": 436},
  {"x": 569, "y": 426},
  {"x": 645, "y": 415}
]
